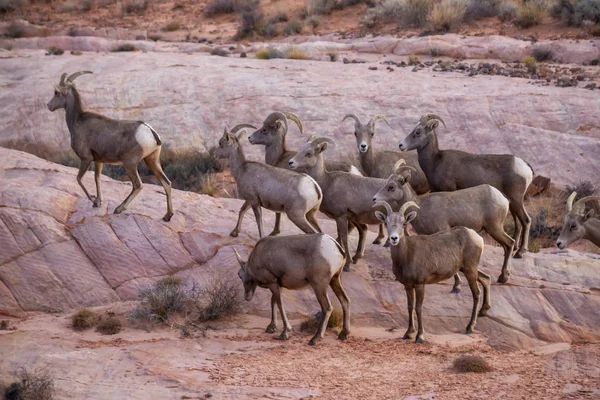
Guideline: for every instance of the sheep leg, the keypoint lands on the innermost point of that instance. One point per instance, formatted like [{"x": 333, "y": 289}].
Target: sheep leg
[
  {"x": 83, "y": 167},
  {"x": 362, "y": 238},
  {"x": 420, "y": 294},
  {"x": 507, "y": 243},
  {"x": 456, "y": 287},
  {"x": 485, "y": 281},
  {"x": 326, "y": 309},
  {"x": 258, "y": 216},
  {"x": 276, "y": 293},
  {"x": 97, "y": 174},
  {"x": 526, "y": 222},
  {"x": 299, "y": 219},
  {"x": 136, "y": 182},
  {"x": 338, "y": 289},
  {"x": 153, "y": 163},
  {"x": 311, "y": 216},
  {"x": 350, "y": 229},
  {"x": 410, "y": 300},
  {"x": 380, "y": 235},
  {"x": 235, "y": 232},
  {"x": 276, "y": 230},
  {"x": 272, "y": 327},
  {"x": 518, "y": 229},
  {"x": 472, "y": 277},
  {"x": 342, "y": 228}
]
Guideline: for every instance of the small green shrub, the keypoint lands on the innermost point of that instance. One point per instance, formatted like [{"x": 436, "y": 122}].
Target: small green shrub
[
  {"x": 314, "y": 21},
  {"x": 279, "y": 16},
  {"x": 413, "y": 59},
  {"x": 294, "y": 53},
  {"x": 55, "y": 51},
  {"x": 269, "y": 53},
  {"x": 83, "y": 319},
  {"x": 435, "y": 51},
  {"x": 163, "y": 298},
  {"x": 507, "y": 11},
  {"x": 251, "y": 21},
  {"x": 292, "y": 28},
  {"x": 447, "y": 15},
  {"x": 172, "y": 26},
  {"x": 135, "y": 6},
  {"x": 267, "y": 30},
  {"x": 406, "y": 13},
  {"x": 530, "y": 63},
  {"x": 312, "y": 323},
  {"x": 478, "y": 9},
  {"x": 317, "y": 7},
  {"x": 109, "y": 326},
  {"x": 530, "y": 14},
  {"x": 216, "y": 7},
  {"x": 124, "y": 47},
  {"x": 3, "y": 325},
  {"x": 36, "y": 385},
  {"x": 76, "y": 53},
  {"x": 471, "y": 364},
  {"x": 15, "y": 30}
]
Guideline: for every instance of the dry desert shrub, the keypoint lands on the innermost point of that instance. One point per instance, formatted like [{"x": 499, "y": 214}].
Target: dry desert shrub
[
  {"x": 405, "y": 13},
  {"x": 447, "y": 15},
  {"x": 471, "y": 364},
  {"x": 312, "y": 323},
  {"x": 109, "y": 326},
  {"x": 220, "y": 298},
  {"x": 530, "y": 13},
  {"x": 31, "y": 385},
  {"x": 83, "y": 319}
]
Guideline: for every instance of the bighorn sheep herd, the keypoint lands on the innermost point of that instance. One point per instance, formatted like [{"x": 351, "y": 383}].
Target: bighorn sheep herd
[{"x": 446, "y": 196}]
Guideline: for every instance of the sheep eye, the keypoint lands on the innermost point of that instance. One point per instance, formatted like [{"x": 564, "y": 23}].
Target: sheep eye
[
  {"x": 56, "y": 92},
  {"x": 417, "y": 133},
  {"x": 355, "y": 134},
  {"x": 573, "y": 227},
  {"x": 391, "y": 189},
  {"x": 372, "y": 134}
]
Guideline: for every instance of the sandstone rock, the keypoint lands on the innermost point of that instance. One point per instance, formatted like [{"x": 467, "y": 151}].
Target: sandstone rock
[{"x": 81, "y": 256}]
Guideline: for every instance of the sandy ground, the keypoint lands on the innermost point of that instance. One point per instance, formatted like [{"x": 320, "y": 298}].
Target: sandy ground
[{"x": 235, "y": 359}]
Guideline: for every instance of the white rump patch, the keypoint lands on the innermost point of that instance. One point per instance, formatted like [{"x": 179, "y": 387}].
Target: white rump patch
[
  {"x": 309, "y": 188},
  {"x": 330, "y": 250},
  {"x": 355, "y": 171},
  {"x": 146, "y": 140},
  {"x": 524, "y": 170}
]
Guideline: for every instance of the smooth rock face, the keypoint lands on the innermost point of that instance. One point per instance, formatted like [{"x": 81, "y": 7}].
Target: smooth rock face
[
  {"x": 57, "y": 253},
  {"x": 556, "y": 130}
]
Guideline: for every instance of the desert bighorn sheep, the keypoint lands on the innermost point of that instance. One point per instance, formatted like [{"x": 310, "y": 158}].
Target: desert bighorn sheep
[
  {"x": 424, "y": 259},
  {"x": 276, "y": 189},
  {"x": 272, "y": 135},
  {"x": 109, "y": 141},
  {"x": 480, "y": 208},
  {"x": 380, "y": 163},
  {"x": 579, "y": 223},
  {"x": 345, "y": 196},
  {"x": 449, "y": 170},
  {"x": 296, "y": 262}
]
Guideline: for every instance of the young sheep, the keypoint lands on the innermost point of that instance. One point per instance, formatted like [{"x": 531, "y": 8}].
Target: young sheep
[
  {"x": 272, "y": 135},
  {"x": 449, "y": 170},
  {"x": 480, "y": 208},
  {"x": 296, "y": 262},
  {"x": 109, "y": 141},
  {"x": 425, "y": 259},
  {"x": 276, "y": 189},
  {"x": 345, "y": 196},
  {"x": 579, "y": 223},
  {"x": 380, "y": 163}
]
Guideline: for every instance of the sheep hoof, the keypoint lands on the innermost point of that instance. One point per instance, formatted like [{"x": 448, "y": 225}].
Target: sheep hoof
[
  {"x": 284, "y": 336},
  {"x": 377, "y": 241},
  {"x": 387, "y": 244},
  {"x": 343, "y": 335},
  {"x": 234, "y": 234},
  {"x": 408, "y": 335},
  {"x": 470, "y": 330},
  {"x": 356, "y": 258},
  {"x": 346, "y": 268},
  {"x": 118, "y": 210},
  {"x": 519, "y": 253},
  {"x": 455, "y": 290},
  {"x": 419, "y": 339},
  {"x": 167, "y": 217},
  {"x": 274, "y": 233},
  {"x": 502, "y": 279},
  {"x": 271, "y": 328},
  {"x": 96, "y": 202},
  {"x": 312, "y": 342},
  {"x": 483, "y": 312}
]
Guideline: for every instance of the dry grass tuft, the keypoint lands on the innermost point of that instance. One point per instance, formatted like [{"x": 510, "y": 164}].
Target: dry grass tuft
[
  {"x": 447, "y": 15},
  {"x": 83, "y": 319},
  {"x": 36, "y": 385},
  {"x": 530, "y": 13},
  {"x": 311, "y": 324},
  {"x": 471, "y": 364},
  {"x": 109, "y": 326},
  {"x": 219, "y": 298},
  {"x": 172, "y": 26},
  {"x": 162, "y": 299},
  {"x": 294, "y": 53}
]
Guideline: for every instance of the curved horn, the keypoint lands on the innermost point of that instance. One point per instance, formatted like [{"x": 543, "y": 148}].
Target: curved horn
[
  {"x": 239, "y": 258},
  {"x": 570, "y": 201},
  {"x": 354, "y": 117},
  {"x": 406, "y": 205},
  {"x": 579, "y": 205},
  {"x": 388, "y": 208},
  {"x": 74, "y": 76},
  {"x": 323, "y": 139},
  {"x": 428, "y": 117},
  {"x": 62, "y": 79},
  {"x": 240, "y": 126},
  {"x": 277, "y": 116},
  {"x": 375, "y": 118},
  {"x": 294, "y": 118},
  {"x": 401, "y": 166}
]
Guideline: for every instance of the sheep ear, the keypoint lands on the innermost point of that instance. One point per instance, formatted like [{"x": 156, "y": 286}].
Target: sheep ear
[
  {"x": 588, "y": 215},
  {"x": 321, "y": 147},
  {"x": 410, "y": 216},
  {"x": 380, "y": 216},
  {"x": 433, "y": 124},
  {"x": 402, "y": 178}
]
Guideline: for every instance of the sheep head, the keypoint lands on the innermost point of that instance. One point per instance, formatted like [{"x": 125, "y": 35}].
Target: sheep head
[
  {"x": 419, "y": 137},
  {"x": 395, "y": 184},
  {"x": 63, "y": 89},
  {"x": 274, "y": 129},
  {"x": 396, "y": 222},
  {"x": 249, "y": 285},
  {"x": 230, "y": 141},
  {"x": 308, "y": 155},
  {"x": 364, "y": 133},
  {"x": 573, "y": 225}
]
